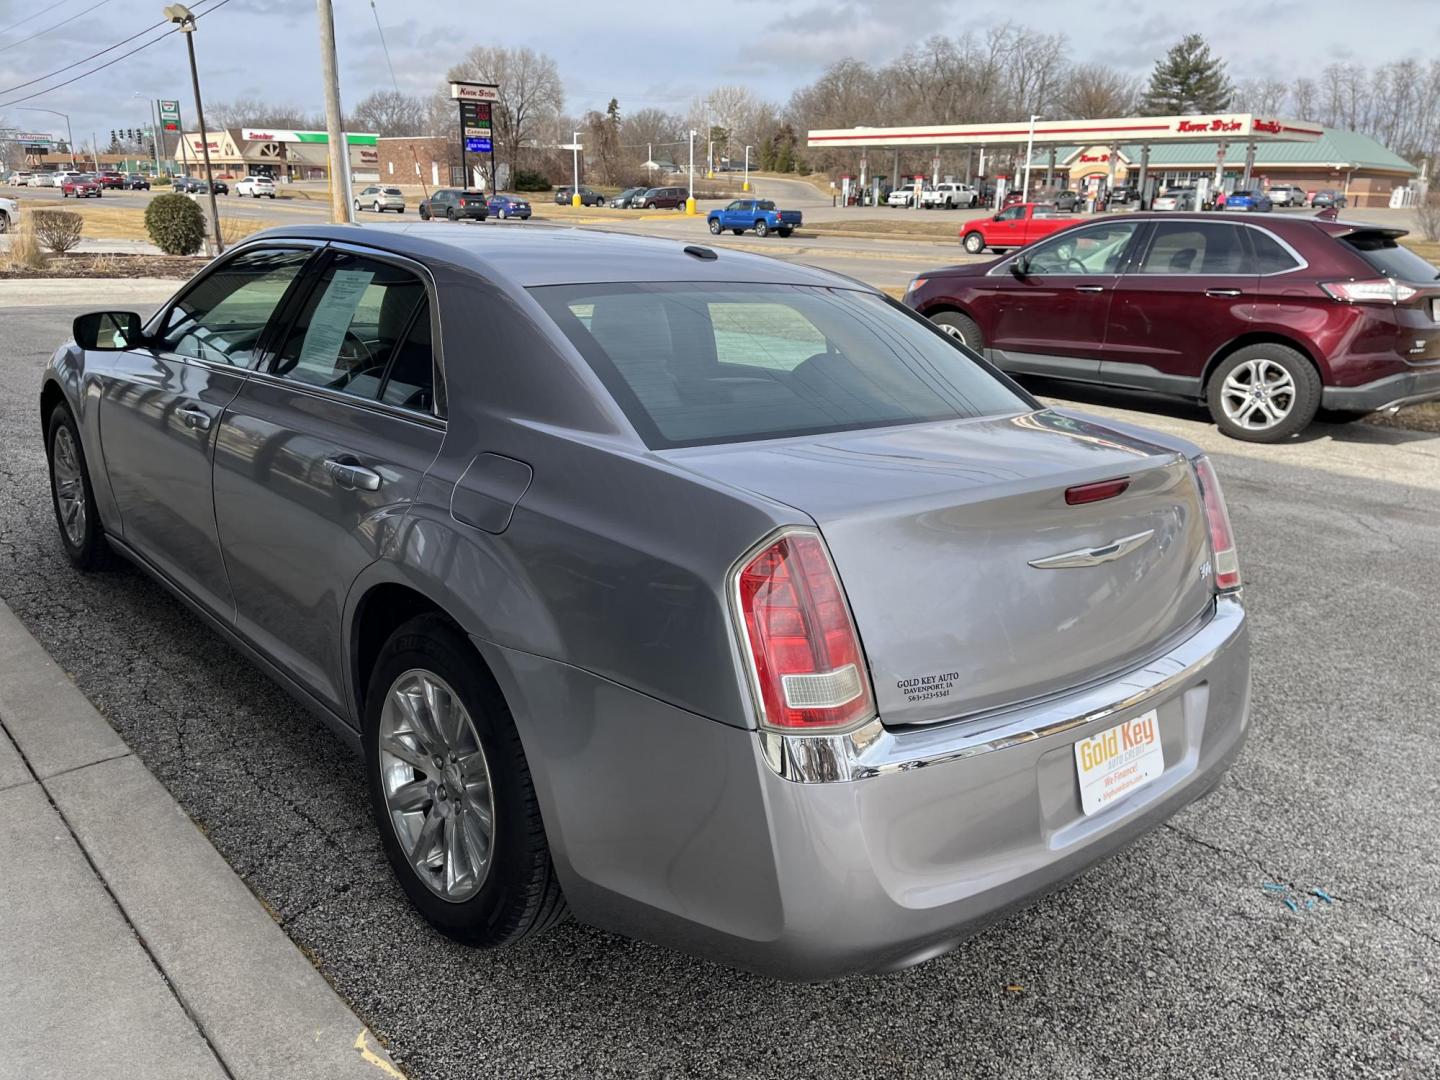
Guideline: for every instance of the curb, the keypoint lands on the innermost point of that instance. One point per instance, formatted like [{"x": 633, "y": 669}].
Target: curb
[{"x": 257, "y": 1003}]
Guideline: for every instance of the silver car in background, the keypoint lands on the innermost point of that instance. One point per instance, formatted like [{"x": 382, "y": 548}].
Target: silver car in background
[{"x": 719, "y": 601}]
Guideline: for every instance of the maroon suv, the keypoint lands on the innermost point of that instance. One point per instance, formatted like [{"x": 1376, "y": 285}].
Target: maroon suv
[{"x": 1267, "y": 320}]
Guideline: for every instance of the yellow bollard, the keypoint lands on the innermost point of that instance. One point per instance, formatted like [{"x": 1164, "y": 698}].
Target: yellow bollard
[
  {"x": 745, "y": 186},
  {"x": 575, "y": 200},
  {"x": 690, "y": 206}
]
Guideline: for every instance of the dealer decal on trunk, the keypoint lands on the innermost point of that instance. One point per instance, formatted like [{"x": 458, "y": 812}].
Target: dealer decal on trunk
[{"x": 928, "y": 687}]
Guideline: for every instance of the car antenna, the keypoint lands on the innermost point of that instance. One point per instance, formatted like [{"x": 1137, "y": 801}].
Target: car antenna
[{"x": 700, "y": 252}]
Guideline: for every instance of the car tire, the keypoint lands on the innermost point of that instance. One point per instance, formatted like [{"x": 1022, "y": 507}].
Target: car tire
[
  {"x": 376, "y": 207},
  {"x": 503, "y": 214},
  {"x": 715, "y": 228},
  {"x": 1291, "y": 399},
  {"x": 72, "y": 497},
  {"x": 424, "y": 214},
  {"x": 961, "y": 327},
  {"x": 762, "y": 230},
  {"x": 515, "y": 892},
  {"x": 357, "y": 206},
  {"x": 4, "y": 222},
  {"x": 973, "y": 242},
  {"x": 450, "y": 214}
]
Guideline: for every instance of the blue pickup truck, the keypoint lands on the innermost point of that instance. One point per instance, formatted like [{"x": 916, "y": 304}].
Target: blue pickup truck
[{"x": 757, "y": 214}]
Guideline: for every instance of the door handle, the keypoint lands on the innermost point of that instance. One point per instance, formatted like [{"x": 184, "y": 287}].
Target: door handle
[
  {"x": 351, "y": 475},
  {"x": 191, "y": 417},
  {"x": 1222, "y": 292},
  {"x": 1089, "y": 288}
]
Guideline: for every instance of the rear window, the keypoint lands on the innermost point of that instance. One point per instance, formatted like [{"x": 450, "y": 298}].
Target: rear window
[
  {"x": 1390, "y": 258},
  {"x": 706, "y": 363}
]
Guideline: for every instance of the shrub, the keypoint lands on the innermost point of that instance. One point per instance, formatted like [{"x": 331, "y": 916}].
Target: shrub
[
  {"x": 57, "y": 230},
  {"x": 160, "y": 180},
  {"x": 530, "y": 180},
  {"x": 25, "y": 253},
  {"x": 175, "y": 223}
]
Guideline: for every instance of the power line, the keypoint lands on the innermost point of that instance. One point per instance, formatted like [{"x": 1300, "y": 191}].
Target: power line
[
  {"x": 108, "y": 63},
  {"x": 386, "y": 48},
  {"x": 77, "y": 63},
  {"x": 32, "y": 18},
  {"x": 57, "y": 26}
]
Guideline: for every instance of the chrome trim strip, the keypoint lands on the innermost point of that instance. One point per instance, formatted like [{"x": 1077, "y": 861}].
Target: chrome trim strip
[
  {"x": 1116, "y": 549},
  {"x": 873, "y": 750}
]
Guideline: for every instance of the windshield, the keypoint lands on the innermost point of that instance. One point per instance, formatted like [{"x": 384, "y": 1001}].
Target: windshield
[
  {"x": 1390, "y": 258},
  {"x": 694, "y": 363}
]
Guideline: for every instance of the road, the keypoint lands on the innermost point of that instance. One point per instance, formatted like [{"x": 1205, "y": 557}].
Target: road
[{"x": 1170, "y": 960}]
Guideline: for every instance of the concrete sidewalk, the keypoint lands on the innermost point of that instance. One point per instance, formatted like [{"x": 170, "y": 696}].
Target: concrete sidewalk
[{"x": 128, "y": 947}]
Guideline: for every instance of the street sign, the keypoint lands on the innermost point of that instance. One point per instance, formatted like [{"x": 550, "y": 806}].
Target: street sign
[
  {"x": 169, "y": 115},
  {"x": 470, "y": 91},
  {"x": 477, "y": 146}
]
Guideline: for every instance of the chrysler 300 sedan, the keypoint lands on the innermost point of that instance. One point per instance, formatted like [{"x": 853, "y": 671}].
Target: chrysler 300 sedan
[{"x": 721, "y": 602}]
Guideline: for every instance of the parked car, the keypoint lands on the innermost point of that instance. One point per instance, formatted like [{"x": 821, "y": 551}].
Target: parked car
[
  {"x": 84, "y": 186},
  {"x": 666, "y": 198},
  {"x": 9, "y": 214},
  {"x": 1328, "y": 198},
  {"x": 45, "y": 179},
  {"x": 137, "y": 182},
  {"x": 624, "y": 200},
  {"x": 758, "y": 214},
  {"x": 61, "y": 176},
  {"x": 1062, "y": 199},
  {"x": 1286, "y": 195},
  {"x": 259, "y": 186},
  {"x": 19, "y": 179},
  {"x": 947, "y": 196},
  {"x": 379, "y": 199},
  {"x": 904, "y": 195},
  {"x": 588, "y": 196},
  {"x": 505, "y": 206},
  {"x": 641, "y": 616},
  {"x": 1175, "y": 199},
  {"x": 111, "y": 179},
  {"x": 1013, "y": 227},
  {"x": 197, "y": 185},
  {"x": 1266, "y": 321},
  {"x": 454, "y": 204},
  {"x": 1248, "y": 199},
  {"x": 1122, "y": 196}
]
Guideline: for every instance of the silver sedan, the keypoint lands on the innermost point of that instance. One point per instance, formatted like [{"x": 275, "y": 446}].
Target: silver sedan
[{"x": 719, "y": 601}]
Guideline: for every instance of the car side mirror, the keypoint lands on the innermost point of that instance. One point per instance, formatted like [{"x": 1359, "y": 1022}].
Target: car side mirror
[
  {"x": 1020, "y": 266},
  {"x": 108, "y": 331}
]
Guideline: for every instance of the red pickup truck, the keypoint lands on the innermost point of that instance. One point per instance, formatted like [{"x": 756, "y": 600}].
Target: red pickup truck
[{"x": 1013, "y": 227}]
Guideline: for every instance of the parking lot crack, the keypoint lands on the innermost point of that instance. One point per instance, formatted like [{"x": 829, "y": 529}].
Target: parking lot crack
[{"x": 1170, "y": 826}]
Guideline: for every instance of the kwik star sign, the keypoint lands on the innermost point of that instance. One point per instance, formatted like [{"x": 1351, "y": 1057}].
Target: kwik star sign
[{"x": 1227, "y": 127}]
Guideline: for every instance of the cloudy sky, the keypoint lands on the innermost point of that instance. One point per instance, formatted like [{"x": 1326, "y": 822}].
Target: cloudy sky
[{"x": 267, "y": 48}]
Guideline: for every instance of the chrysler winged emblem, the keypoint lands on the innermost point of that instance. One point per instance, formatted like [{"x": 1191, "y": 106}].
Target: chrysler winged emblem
[{"x": 1116, "y": 549}]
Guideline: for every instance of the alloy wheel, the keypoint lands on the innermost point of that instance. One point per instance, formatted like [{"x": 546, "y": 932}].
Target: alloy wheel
[
  {"x": 436, "y": 783},
  {"x": 69, "y": 486},
  {"x": 1258, "y": 394}
]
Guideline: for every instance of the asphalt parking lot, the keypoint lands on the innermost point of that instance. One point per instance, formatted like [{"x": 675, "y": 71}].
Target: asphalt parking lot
[{"x": 1172, "y": 960}]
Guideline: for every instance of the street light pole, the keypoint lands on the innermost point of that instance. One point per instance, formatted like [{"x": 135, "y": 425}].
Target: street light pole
[
  {"x": 182, "y": 17},
  {"x": 575, "y": 199},
  {"x": 690, "y": 200},
  {"x": 746, "y": 185},
  {"x": 69, "y": 138},
  {"x": 1029, "y": 153}
]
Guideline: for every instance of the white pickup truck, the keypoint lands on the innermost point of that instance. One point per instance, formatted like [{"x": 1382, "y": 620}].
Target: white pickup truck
[{"x": 948, "y": 195}]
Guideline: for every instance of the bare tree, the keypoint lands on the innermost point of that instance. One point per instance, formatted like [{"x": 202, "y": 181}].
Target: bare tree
[
  {"x": 389, "y": 113},
  {"x": 1094, "y": 90},
  {"x": 1266, "y": 97},
  {"x": 531, "y": 95},
  {"x": 250, "y": 112}
]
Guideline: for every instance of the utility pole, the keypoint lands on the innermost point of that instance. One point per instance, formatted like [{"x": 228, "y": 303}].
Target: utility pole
[
  {"x": 575, "y": 199},
  {"x": 340, "y": 207},
  {"x": 690, "y": 201},
  {"x": 1030, "y": 152},
  {"x": 182, "y": 17}
]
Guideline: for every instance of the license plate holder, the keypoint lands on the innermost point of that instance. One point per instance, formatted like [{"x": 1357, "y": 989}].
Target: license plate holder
[{"x": 1112, "y": 764}]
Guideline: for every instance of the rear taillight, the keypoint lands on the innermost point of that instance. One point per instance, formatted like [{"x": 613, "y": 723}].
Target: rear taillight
[
  {"x": 805, "y": 659},
  {"x": 1217, "y": 520},
  {"x": 1374, "y": 291}
]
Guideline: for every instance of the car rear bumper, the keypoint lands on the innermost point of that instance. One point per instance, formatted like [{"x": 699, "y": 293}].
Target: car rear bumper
[
  {"x": 814, "y": 862},
  {"x": 1393, "y": 391}
]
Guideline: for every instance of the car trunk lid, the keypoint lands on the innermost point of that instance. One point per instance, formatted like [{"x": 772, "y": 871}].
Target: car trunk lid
[{"x": 974, "y": 583}]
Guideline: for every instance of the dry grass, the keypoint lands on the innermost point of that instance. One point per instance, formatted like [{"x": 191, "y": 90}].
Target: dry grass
[
  {"x": 24, "y": 254},
  {"x": 128, "y": 223}
]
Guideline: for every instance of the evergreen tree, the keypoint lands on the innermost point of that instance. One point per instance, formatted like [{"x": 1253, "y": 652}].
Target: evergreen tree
[{"x": 1188, "y": 79}]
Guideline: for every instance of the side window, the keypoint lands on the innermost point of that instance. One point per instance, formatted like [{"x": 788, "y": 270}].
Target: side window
[
  {"x": 1270, "y": 255},
  {"x": 346, "y": 335},
  {"x": 410, "y": 380},
  {"x": 1095, "y": 249},
  {"x": 1197, "y": 247},
  {"x": 222, "y": 317},
  {"x": 1013, "y": 214},
  {"x": 736, "y": 205}
]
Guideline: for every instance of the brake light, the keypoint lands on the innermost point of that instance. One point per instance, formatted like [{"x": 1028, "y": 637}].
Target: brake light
[
  {"x": 1374, "y": 291},
  {"x": 806, "y": 663},
  {"x": 1217, "y": 519}
]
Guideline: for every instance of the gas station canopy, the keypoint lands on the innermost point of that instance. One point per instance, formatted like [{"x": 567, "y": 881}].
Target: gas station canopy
[{"x": 1226, "y": 127}]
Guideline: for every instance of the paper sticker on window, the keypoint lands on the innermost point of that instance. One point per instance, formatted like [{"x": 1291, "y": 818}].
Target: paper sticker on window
[{"x": 332, "y": 318}]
